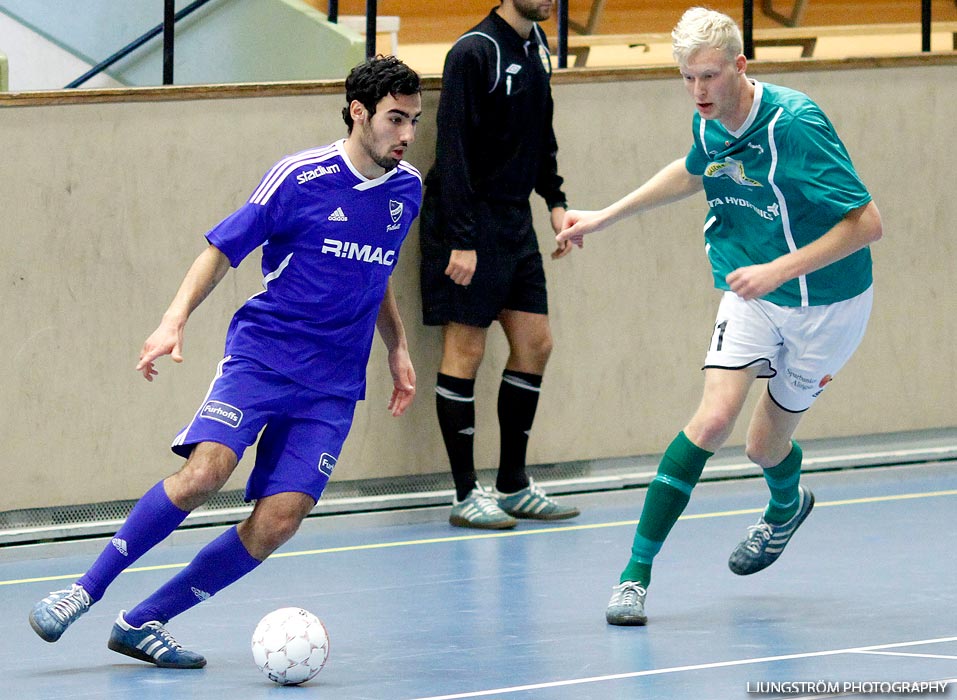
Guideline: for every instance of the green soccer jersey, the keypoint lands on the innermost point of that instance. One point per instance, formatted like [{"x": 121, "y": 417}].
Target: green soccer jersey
[{"x": 779, "y": 182}]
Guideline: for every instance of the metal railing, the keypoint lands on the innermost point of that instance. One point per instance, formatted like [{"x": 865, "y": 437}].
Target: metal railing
[
  {"x": 372, "y": 12},
  {"x": 170, "y": 18}
]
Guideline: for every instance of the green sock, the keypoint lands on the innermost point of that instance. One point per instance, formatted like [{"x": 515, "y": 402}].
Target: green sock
[
  {"x": 783, "y": 481},
  {"x": 668, "y": 494}
]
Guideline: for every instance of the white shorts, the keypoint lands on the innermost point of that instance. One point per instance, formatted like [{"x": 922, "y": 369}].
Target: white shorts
[{"x": 800, "y": 348}]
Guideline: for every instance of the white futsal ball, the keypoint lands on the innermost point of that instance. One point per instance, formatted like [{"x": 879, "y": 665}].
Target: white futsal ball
[{"x": 290, "y": 646}]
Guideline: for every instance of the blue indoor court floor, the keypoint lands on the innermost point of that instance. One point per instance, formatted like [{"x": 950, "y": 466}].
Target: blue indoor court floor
[{"x": 866, "y": 591}]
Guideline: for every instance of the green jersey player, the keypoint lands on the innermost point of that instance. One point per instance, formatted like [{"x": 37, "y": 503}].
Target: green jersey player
[{"x": 786, "y": 232}]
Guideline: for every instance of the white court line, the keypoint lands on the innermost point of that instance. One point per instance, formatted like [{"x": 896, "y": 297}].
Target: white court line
[
  {"x": 900, "y": 653},
  {"x": 679, "y": 669}
]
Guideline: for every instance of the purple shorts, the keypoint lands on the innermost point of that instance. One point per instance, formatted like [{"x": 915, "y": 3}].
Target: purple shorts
[{"x": 302, "y": 430}]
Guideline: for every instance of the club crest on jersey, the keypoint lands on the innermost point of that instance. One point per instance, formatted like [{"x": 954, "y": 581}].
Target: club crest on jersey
[
  {"x": 326, "y": 463},
  {"x": 222, "y": 413},
  {"x": 395, "y": 211},
  {"x": 733, "y": 169}
]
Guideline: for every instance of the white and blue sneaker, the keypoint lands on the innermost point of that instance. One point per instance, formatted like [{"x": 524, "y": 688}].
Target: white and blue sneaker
[
  {"x": 152, "y": 643},
  {"x": 52, "y": 615},
  {"x": 765, "y": 542}
]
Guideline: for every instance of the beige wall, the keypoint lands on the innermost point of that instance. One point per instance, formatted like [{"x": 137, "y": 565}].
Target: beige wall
[{"x": 103, "y": 207}]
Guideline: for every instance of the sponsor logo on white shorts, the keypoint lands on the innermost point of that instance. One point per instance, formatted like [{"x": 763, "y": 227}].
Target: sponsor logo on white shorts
[
  {"x": 223, "y": 413},
  {"x": 800, "y": 381},
  {"x": 825, "y": 380},
  {"x": 327, "y": 463}
]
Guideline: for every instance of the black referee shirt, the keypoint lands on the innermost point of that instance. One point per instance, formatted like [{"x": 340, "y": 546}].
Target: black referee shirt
[{"x": 495, "y": 140}]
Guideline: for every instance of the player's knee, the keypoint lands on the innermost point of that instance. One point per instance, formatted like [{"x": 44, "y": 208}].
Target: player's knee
[
  {"x": 464, "y": 358},
  {"x": 205, "y": 473},
  {"x": 766, "y": 453},
  {"x": 542, "y": 348},
  {"x": 533, "y": 353},
  {"x": 193, "y": 486},
  {"x": 710, "y": 430},
  {"x": 270, "y": 533}
]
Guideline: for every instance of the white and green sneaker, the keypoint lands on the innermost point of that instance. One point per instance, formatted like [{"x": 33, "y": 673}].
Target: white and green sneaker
[
  {"x": 531, "y": 502},
  {"x": 765, "y": 542},
  {"x": 627, "y": 604},
  {"x": 480, "y": 510}
]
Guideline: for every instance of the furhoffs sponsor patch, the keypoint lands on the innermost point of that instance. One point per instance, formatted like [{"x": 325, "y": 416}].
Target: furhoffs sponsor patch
[{"x": 222, "y": 412}]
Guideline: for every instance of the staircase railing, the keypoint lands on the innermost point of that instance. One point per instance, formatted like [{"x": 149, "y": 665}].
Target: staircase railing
[
  {"x": 372, "y": 11},
  {"x": 170, "y": 18}
]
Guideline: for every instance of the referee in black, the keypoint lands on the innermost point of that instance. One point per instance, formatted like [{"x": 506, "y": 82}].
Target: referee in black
[{"x": 480, "y": 255}]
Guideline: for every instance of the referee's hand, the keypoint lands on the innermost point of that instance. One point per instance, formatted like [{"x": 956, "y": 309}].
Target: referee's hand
[
  {"x": 562, "y": 248},
  {"x": 461, "y": 266}
]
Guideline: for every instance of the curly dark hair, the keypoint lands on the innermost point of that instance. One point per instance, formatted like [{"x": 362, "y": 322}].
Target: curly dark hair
[{"x": 377, "y": 77}]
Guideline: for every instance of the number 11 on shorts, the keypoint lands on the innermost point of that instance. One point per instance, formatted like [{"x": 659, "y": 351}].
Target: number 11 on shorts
[{"x": 717, "y": 338}]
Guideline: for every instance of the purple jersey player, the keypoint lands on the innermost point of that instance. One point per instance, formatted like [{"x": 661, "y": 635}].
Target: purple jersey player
[{"x": 330, "y": 222}]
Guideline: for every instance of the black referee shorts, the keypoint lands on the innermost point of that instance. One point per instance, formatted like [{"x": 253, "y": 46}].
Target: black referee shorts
[{"x": 508, "y": 275}]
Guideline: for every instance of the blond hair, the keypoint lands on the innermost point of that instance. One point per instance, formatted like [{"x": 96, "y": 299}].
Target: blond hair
[{"x": 701, "y": 28}]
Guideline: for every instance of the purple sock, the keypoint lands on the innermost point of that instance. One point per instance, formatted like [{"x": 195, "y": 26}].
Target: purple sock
[
  {"x": 220, "y": 563},
  {"x": 151, "y": 520}
]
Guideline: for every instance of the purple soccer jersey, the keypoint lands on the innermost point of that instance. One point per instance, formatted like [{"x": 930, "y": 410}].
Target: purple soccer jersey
[{"x": 330, "y": 240}]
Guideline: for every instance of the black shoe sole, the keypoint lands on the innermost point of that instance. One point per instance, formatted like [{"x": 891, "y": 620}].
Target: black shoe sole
[{"x": 135, "y": 653}]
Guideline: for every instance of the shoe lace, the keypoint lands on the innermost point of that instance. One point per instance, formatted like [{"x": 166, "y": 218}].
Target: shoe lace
[
  {"x": 758, "y": 536},
  {"x": 485, "y": 503},
  {"x": 76, "y": 601},
  {"x": 628, "y": 593},
  {"x": 164, "y": 634}
]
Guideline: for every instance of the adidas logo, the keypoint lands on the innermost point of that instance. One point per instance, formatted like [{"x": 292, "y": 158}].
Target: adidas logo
[
  {"x": 120, "y": 545},
  {"x": 202, "y": 595},
  {"x": 338, "y": 215}
]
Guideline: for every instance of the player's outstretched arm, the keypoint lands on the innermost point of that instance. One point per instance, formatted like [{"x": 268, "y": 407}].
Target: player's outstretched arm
[
  {"x": 202, "y": 277},
  {"x": 671, "y": 183},
  {"x": 392, "y": 331}
]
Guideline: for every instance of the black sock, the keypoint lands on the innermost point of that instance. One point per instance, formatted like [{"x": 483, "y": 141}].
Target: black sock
[
  {"x": 517, "y": 401},
  {"x": 455, "y": 405}
]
